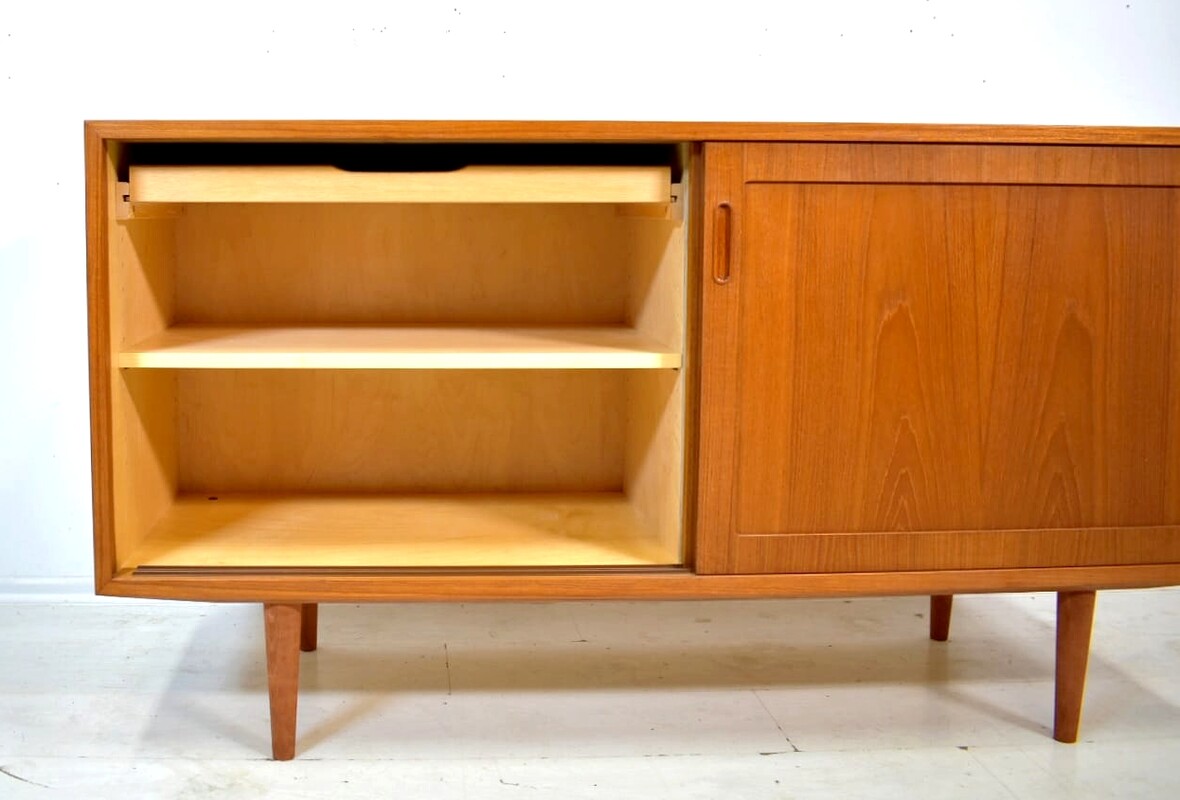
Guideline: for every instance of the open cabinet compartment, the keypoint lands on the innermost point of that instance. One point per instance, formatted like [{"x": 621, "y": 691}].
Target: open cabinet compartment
[
  {"x": 408, "y": 468},
  {"x": 419, "y": 383}
]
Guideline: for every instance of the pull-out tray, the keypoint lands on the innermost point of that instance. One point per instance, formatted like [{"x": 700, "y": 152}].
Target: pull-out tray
[{"x": 470, "y": 184}]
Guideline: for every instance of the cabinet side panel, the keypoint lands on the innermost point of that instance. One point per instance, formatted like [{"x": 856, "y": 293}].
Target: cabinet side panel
[
  {"x": 654, "y": 450},
  {"x": 1172, "y": 478},
  {"x": 142, "y": 264},
  {"x": 654, "y": 456},
  {"x": 145, "y": 477},
  {"x": 99, "y": 173},
  {"x": 654, "y": 258},
  {"x": 401, "y": 430}
]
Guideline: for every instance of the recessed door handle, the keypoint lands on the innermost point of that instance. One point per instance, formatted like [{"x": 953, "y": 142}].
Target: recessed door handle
[{"x": 722, "y": 242}]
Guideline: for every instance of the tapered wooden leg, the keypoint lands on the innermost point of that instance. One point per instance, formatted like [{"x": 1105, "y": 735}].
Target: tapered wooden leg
[
  {"x": 283, "y": 622},
  {"x": 1075, "y": 620},
  {"x": 308, "y": 627},
  {"x": 940, "y": 616}
]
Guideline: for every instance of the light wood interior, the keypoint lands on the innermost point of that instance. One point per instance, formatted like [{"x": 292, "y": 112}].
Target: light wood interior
[
  {"x": 653, "y": 453},
  {"x": 436, "y": 530},
  {"x": 460, "y": 264},
  {"x": 402, "y": 430},
  {"x": 329, "y": 184},
  {"x": 503, "y": 381},
  {"x": 274, "y": 438},
  {"x": 654, "y": 460},
  {"x": 143, "y": 405},
  {"x": 398, "y": 347}
]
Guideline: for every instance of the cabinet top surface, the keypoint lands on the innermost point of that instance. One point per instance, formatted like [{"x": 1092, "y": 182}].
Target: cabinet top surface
[{"x": 617, "y": 131}]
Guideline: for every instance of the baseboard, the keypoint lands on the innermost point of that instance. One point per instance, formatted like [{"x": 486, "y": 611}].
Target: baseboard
[{"x": 78, "y": 589}]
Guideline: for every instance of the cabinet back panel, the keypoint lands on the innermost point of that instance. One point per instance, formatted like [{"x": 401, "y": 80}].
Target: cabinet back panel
[
  {"x": 405, "y": 431},
  {"x": 314, "y": 263},
  {"x": 926, "y": 358}
]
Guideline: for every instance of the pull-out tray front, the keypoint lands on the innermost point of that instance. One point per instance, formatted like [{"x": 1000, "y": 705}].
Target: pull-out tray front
[{"x": 470, "y": 184}]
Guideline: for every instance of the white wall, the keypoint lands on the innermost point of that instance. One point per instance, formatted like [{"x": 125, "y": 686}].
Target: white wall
[{"x": 1105, "y": 62}]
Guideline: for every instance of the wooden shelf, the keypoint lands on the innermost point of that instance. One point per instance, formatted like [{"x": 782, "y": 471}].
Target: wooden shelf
[
  {"x": 501, "y": 530},
  {"x": 327, "y": 184},
  {"x": 398, "y": 347}
]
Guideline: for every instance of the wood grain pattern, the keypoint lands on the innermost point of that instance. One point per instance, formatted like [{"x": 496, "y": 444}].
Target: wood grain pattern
[
  {"x": 328, "y": 184},
  {"x": 614, "y": 131},
  {"x": 434, "y": 530},
  {"x": 923, "y": 359},
  {"x": 989, "y": 358},
  {"x": 960, "y": 163},
  {"x": 409, "y": 264},
  {"x": 401, "y": 431},
  {"x": 398, "y": 347},
  {"x": 958, "y": 549},
  {"x": 719, "y": 344}
]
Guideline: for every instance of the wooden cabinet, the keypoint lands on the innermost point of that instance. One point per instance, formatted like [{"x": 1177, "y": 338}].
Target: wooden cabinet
[
  {"x": 932, "y": 357},
  {"x": 376, "y": 361}
]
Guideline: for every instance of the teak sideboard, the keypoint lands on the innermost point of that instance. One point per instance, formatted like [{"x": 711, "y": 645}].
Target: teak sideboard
[{"x": 388, "y": 361}]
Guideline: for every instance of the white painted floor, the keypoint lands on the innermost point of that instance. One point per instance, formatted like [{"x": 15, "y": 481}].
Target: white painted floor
[{"x": 750, "y": 699}]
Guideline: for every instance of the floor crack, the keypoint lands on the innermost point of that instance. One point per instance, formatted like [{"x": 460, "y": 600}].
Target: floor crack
[
  {"x": 776, "y": 724},
  {"x": 447, "y": 662},
  {"x": 16, "y": 777}
]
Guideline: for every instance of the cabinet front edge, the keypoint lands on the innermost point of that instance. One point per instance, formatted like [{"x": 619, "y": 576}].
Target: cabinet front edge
[
  {"x": 620, "y": 131},
  {"x": 633, "y": 586}
]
